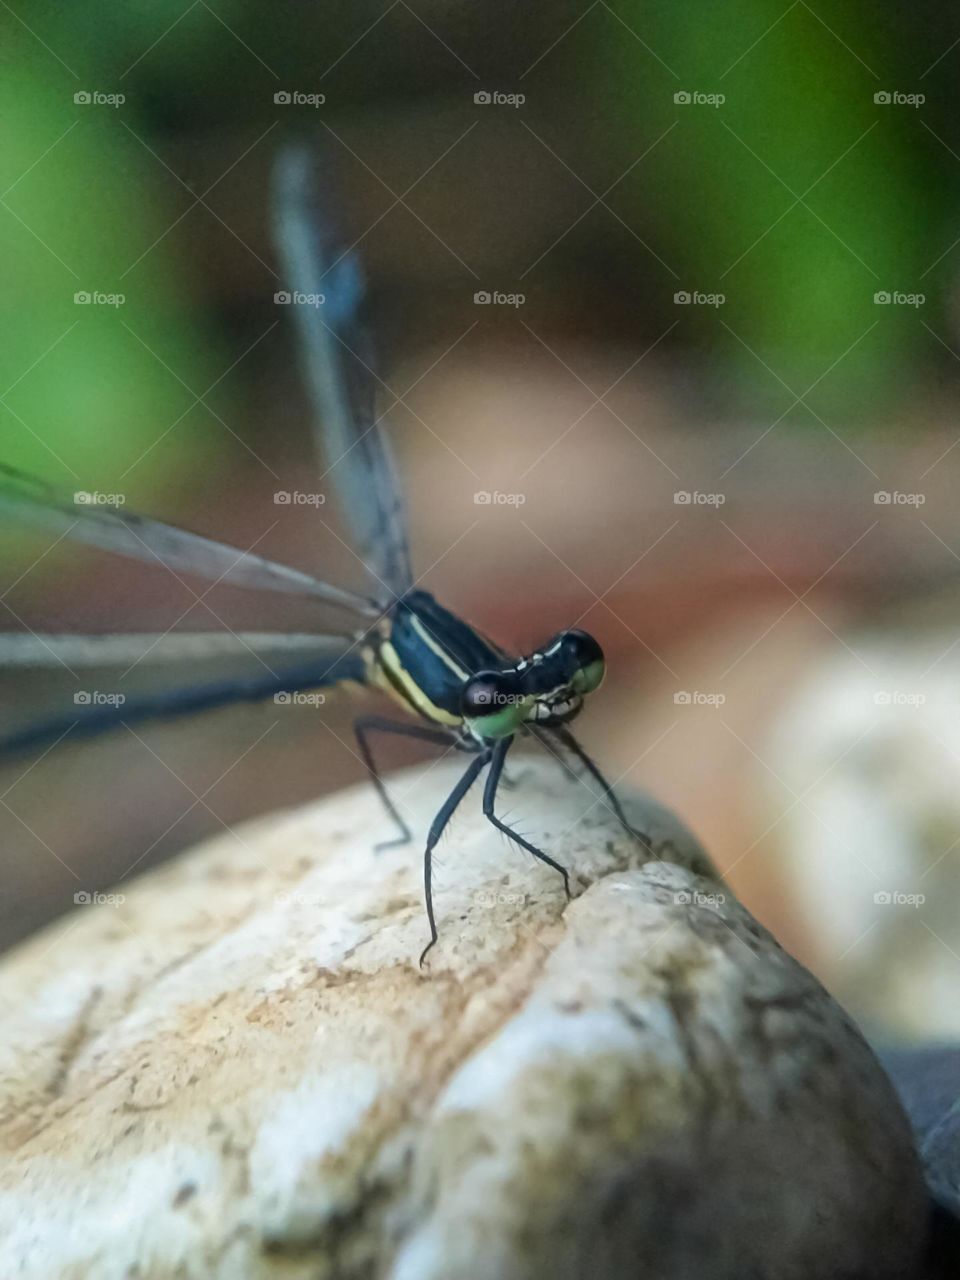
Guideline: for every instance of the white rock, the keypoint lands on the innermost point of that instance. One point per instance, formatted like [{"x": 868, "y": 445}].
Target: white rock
[
  {"x": 862, "y": 800},
  {"x": 241, "y": 1072}
]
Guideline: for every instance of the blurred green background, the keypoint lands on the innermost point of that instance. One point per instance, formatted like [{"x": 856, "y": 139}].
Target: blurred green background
[
  {"x": 797, "y": 198},
  {"x": 736, "y": 230}
]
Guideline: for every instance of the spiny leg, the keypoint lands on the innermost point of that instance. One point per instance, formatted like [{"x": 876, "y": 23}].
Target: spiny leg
[
  {"x": 365, "y": 725},
  {"x": 489, "y": 798},
  {"x": 436, "y": 831},
  {"x": 609, "y": 795}
]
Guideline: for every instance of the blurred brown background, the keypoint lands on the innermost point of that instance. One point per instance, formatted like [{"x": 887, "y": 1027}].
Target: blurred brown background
[{"x": 718, "y": 382}]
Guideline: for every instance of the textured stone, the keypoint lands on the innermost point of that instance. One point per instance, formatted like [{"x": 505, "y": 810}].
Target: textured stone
[{"x": 240, "y": 1071}]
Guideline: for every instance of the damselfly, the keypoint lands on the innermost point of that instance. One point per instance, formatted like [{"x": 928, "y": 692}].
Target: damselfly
[{"x": 466, "y": 691}]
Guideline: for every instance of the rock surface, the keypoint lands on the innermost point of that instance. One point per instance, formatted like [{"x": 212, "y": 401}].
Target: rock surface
[
  {"x": 240, "y": 1072},
  {"x": 870, "y": 740}
]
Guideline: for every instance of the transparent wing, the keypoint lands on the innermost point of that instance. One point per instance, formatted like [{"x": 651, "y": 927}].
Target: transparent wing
[
  {"x": 30, "y": 649},
  {"x": 24, "y": 499},
  {"x": 337, "y": 359},
  {"x": 71, "y": 714}
]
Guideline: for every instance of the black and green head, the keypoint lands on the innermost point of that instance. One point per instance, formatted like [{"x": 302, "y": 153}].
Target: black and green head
[{"x": 545, "y": 689}]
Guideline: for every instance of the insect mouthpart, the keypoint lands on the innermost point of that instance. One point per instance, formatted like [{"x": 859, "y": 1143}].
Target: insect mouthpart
[
  {"x": 559, "y": 676},
  {"x": 557, "y": 708}
]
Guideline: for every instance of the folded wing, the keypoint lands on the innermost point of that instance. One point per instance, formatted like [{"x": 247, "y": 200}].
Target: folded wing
[
  {"x": 27, "y": 500},
  {"x": 271, "y": 666},
  {"x": 32, "y": 649},
  {"x": 338, "y": 364}
]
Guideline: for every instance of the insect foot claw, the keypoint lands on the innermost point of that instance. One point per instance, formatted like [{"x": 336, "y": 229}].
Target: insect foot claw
[
  {"x": 382, "y": 845},
  {"x": 639, "y": 836}
]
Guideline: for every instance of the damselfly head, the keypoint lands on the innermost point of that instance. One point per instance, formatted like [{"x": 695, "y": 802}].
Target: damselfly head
[{"x": 547, "y": 688}]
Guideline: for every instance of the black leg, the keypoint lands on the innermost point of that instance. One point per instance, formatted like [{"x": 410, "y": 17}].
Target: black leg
[
  {"x": 489, "y": 798},
  {"x": 365, "y": 725},
  {"x": 436, "y": 831},
  {"x": 609, "y": 795}
]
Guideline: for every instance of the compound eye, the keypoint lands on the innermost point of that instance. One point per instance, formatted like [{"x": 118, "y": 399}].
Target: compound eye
[
  {"x": 493, "y": 704},
  {"x": 585, "y": 657}
]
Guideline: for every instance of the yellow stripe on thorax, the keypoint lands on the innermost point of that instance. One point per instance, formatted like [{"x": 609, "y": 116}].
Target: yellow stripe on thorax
[
  {"x": 411, "y": 690},
  {"x": 434, "y": 647}
]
